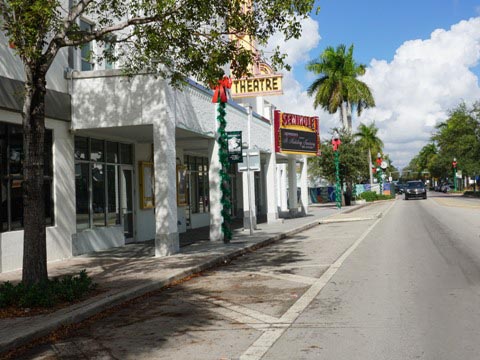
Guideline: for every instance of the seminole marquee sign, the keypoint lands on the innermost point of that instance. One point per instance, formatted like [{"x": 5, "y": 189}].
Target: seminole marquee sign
[{"x": 296, "y": 134}]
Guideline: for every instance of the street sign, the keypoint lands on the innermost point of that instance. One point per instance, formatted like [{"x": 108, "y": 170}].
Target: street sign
[{"x": 254, "y": 160}]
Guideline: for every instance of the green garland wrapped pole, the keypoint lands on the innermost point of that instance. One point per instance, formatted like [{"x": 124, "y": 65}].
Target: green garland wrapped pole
[
  {"x": 380, "y": 172},
  {"x": 220, "y": 97},
  {"x": 338, "y": 193}
]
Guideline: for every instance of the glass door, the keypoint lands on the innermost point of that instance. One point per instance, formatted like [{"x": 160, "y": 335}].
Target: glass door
[{"x": 126, "y": 197}]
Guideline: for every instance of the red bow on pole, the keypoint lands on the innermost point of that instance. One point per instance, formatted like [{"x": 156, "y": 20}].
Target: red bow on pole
[
  {"x": 336, "y": 143},
  {"x": 220, "y": 92}
]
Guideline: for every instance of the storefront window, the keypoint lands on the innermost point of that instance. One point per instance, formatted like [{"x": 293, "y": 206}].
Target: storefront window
[
  {"x": 11, "y": 177},
  {"x": 98, "y": 181},
  {"x": 81, "y": 148},
  {"x": 96, "y": 150},
  {"x": 81, "y": 195},
  {"x": 198, "y": 199},
  {"x": 113, "y": 215},
  {"x": 112, "y": 152},
  {"x": 126, "y": 154},
  {"x": 98, "y": 195}
]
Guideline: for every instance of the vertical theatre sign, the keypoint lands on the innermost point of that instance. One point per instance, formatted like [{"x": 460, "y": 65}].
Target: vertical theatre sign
[{"x": 296, "y": 134}]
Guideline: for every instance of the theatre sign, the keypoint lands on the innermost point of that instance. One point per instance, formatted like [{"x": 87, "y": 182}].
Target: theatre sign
[
  {"x": 259, "y": 85},
  {"x": 296, "y": 134}
]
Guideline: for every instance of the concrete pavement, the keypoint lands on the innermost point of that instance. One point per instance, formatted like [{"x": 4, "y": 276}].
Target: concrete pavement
[{"x": 125, "y": 273}]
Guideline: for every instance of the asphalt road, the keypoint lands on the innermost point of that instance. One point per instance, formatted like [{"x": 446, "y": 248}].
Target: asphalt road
[{"x": 404, "y": 286}]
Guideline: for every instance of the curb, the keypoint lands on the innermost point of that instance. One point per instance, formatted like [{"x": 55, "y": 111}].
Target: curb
[{"x": 83, "y": 313}]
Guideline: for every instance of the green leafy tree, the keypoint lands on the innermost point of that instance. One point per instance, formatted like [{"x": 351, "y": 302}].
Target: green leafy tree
[
  {"x": 337, "y": 87},
  {"x": 458, "y": 137},
  {"x": 172, "y": 38},
  {"x": 352, "y": 161},
  {"x": 368, "y": 139}
]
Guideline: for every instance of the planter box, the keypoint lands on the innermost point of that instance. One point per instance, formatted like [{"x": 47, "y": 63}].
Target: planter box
[{"x": 359, "y": 202}]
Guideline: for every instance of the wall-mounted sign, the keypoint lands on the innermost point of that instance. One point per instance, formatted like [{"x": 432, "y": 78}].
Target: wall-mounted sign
[
  {"x": 296, "y": 134},
  {"x": 234, "y": 144},
  {"x": 260, "y": 85},
  {"x": 250, "y": 162}
]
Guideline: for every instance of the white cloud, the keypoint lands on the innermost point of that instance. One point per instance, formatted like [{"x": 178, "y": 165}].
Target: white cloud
[
  {"x": 295, "y": 100},
  {"x": 416, "y": 89},
  {"x": 297, "y": 49},
  {"x": 413, "y": 92}
]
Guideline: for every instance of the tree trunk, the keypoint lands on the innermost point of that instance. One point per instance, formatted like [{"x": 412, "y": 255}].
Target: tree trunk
[
  {"x": 34, "y": 241},
  {"x": 370, "y": 166},
  {"x": 343, "y": 115},
  {"x": 349, "y": 117}
]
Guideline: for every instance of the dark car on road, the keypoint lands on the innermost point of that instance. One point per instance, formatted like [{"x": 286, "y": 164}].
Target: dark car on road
[
  {"x": 399, "y": 188},
  {"x": 415, "y": 189}
]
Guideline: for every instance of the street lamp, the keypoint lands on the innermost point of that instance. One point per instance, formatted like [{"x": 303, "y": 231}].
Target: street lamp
[
  {"x": 454, "y": 164},
  {"x": 336, "y": 152}
]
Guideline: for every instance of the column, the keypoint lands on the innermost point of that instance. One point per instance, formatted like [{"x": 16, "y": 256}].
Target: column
[
  {"x": 271, "y": 188},
  {"x": 246, "y": 208},
  {"x": 214, "y": 192},
  {"x": 282, "y": 187},
  {"x": 166, "y": 231},
  {"x": 292, "y": 187},
  {"x": 304, "y": 186}
]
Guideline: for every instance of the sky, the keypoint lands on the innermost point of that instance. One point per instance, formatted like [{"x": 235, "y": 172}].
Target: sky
[{"x": 422, "y": 60}]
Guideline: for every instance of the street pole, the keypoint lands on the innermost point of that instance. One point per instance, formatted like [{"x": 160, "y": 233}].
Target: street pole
[
  {"x": 338, "y": 194},
  {"x": 454, "y": 164},
  {"x": 250, "y": 216},
  {"x": 380, "y": 180},
  {"x": 336, "y": 145}
]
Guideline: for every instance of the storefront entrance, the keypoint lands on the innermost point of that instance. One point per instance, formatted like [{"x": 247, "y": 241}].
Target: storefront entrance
[{"x": 126, "y": 197}]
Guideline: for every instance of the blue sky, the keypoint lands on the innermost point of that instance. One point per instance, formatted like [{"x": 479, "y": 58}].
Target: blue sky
[
  {"x": 422, "y": 60},
  {"x": 379, "y": 27}
]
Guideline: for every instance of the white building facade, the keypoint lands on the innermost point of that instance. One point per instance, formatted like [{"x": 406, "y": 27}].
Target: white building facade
[{"x": 131, "y": 159}]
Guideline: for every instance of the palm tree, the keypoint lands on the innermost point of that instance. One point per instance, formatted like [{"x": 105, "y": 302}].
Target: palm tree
[
  {"x": 368, "y": 139},
  {"x": 338, "y": 88}
]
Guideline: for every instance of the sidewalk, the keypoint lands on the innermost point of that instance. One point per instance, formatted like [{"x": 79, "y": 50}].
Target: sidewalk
[{"x": 125, "y": 273}]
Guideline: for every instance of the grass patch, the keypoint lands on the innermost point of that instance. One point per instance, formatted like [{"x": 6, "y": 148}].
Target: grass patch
[{"x": 66, "y": 289}]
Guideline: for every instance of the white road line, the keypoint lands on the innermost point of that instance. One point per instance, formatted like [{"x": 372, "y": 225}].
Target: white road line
[
  {"x": 248, "y": 313},
  {"x": 287, "y": 277},
  {"x": 266, "y": 340}
]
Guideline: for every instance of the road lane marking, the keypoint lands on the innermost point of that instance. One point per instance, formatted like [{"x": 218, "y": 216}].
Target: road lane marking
[
  {"x": 251, "y": 314},
  {"x": 260, "y": 347},
  {"x": 286, "y": 277}
]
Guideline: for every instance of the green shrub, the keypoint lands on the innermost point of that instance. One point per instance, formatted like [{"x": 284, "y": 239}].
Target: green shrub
[
  {"x": 368, "y": 196},
  {"x": 373, "y": 196},
  {"x": 472, "y": 194},
  {"x": 48, "y": 294}
]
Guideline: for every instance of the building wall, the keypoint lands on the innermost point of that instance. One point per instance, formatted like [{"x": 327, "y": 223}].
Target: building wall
[
  {"x": 102, "y": 99},
  {"x": 58, "y": 236},
  {"x": 11, "y": 66},
  {"x": 144, "y": 218}
]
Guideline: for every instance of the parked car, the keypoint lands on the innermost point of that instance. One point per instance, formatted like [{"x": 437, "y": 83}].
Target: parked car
[
  {"x": 447, "y": 187},
  {"x": 415, "y": 189},
  {"x": 399, "y": 188}
]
